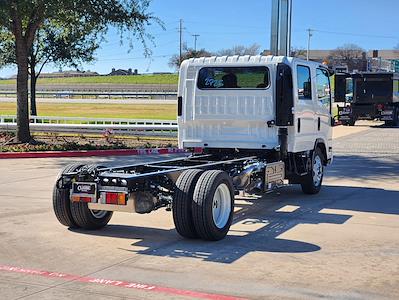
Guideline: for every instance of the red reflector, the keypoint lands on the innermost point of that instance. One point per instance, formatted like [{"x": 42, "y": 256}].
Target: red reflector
[
  {"x": 111, "y": 198},
  {"x": 81, "y": 199},
  {"x": 85, "y": 199}
]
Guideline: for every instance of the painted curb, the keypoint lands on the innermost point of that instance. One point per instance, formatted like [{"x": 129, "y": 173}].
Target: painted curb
[{"x": 88, "y": 153}]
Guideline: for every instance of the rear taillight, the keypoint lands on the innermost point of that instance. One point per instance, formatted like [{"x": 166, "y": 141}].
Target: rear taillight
[
  {"x": 115, "y": 198},
  {"x": 380, "y": 106}
]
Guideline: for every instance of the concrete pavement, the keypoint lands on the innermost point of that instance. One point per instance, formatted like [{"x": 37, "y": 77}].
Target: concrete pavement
[{"x": 342, "y": 243}]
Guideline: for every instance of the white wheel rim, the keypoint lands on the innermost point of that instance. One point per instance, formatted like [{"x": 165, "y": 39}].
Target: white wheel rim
[
  {"x": 98, "y": 214},
  {"x": 317, "y": 170},
  {"x": 221, "y": 206}
]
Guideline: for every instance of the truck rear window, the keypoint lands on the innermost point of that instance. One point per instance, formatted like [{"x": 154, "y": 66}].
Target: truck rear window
[{"x": 233, "y": 78}]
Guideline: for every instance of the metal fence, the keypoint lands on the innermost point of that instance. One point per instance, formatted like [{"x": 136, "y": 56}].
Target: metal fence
[
  {"x": 106, "y": 95},
  {"x": 95, "y": 125}
]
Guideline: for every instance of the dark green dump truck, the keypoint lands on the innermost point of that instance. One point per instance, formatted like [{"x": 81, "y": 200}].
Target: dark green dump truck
[{"x": 368, "y": 96}]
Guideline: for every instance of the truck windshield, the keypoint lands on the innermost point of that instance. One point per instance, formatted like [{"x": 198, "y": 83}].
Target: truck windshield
[{"x": 233, "y": 78}]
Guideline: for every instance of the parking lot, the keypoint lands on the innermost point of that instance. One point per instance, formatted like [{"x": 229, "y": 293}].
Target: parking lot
[{"x": 342, "y": 243}]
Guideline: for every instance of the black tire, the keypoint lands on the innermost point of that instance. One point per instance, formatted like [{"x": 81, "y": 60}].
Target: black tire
[
  {"x": 202, "y": 204},
  {"x": 90, "y": 169},
  {"x": 86, "y": 219},
  {"x": 352, "y": 122},
  {"x": 307, "y": 182},
  {"x": 388, "y": 123},
  {"x": 182, "y": 203},
  {"x": 61, "y": 201},
  {"x": 81, "y": 215},
  {"x": 395, "y": 121}
]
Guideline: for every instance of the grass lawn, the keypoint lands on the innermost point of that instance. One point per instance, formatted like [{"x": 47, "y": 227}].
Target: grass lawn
[
  {"x": 125, "y": 111},
  {"x": 130, "y": 79},
  {"x": 334, "y": 110}
]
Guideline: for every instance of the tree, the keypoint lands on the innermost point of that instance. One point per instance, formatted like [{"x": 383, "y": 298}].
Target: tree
[
  {"x": 23, "y": 20},
  {"x": 298, "y": 52},
  {"x": 67, "y": 45},
  {"x": 240, "y": 50},
  {"x": 63, "y": 46},
  {"x": 174, "y": 61},
  {"x": 348, "y": 54}
]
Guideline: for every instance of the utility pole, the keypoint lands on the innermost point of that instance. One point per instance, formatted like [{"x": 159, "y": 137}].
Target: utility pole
[
  {"x": 310, "y": 34},
  {"x": 181, "y": 40},
  {"x": 195, "y": 41}
]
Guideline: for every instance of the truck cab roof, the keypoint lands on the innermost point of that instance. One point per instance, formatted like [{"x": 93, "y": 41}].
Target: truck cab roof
[{"x": 247, "y": 60}]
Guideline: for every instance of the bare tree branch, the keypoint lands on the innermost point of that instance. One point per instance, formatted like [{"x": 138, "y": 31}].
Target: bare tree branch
[{"x": 41, "y": 68}]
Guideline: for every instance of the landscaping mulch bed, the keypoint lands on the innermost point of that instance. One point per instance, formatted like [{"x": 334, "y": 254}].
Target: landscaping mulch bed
[{"x": 62, "y": 142}]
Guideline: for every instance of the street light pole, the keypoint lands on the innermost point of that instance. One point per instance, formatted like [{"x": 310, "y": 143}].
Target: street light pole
[
  {"x": 195, "y": 41},
  {"x": 309, "y": 36},
  {"x": 180, "y": 40}
]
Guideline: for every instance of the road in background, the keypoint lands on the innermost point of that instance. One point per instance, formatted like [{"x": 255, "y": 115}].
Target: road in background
[{"x": 342, "y": 243}]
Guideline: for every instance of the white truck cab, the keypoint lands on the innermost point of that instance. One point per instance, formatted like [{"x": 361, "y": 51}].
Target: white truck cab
[{"x": 231, "y": 102}]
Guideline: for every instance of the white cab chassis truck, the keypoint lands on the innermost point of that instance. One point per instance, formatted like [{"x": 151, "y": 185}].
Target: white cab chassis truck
[{"x": 259, "y": 122}]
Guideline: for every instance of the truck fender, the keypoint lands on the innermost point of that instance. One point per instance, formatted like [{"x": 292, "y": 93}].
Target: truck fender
[{"x": 320, "y": 143}]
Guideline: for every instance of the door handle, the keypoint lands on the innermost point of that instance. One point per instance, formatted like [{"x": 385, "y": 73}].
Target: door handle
[
  {"x": 318, "y": 124},
  {"x": 299, "y": 125}
]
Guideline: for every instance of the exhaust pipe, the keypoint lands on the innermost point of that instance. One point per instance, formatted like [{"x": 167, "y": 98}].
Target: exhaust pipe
[
  {"x": 243, "y": 179},
  {"x": 283, "y": 140}
]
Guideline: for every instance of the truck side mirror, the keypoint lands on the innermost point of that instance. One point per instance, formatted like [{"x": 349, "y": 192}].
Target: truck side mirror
[
  {"x": 284, "y": 96},
  {"x": 340, "y": 87},
  {"x": 307, "y": 92}
]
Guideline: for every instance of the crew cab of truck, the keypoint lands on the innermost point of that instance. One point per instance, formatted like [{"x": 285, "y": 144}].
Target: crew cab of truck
[{"x": 240, "y": 102}]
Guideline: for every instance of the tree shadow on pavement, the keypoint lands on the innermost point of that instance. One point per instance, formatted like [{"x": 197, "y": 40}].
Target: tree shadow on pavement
[
  {"x": 260, "y": 223},
  {"x": 360, "y": 167}
]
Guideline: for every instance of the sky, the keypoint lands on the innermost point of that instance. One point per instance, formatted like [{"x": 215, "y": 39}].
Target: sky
[{"x": 224, "y": 23}]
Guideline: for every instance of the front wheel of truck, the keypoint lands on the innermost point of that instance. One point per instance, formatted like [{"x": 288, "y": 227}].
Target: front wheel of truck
[{"x": 311, "y": 182}]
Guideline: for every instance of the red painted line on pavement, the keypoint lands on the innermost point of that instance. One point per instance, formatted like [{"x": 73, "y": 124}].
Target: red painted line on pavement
[
  {"x": 118, "y": 283},
  {"x": 115, "y": 152}
]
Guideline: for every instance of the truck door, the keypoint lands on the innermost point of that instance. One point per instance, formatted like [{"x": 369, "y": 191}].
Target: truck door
[
  {"x": 323, "y": 105},
  {"x": 304, "y": 109}
]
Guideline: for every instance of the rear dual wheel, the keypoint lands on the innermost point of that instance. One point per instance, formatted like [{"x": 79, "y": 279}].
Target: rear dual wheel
[
  {"x": 204, "y": 204},
  {"x": 75, "y": 215},
  {"x": 61, "y": 201},
  {"x": 182, "y": 202},
  {"x": 87, "y": 218}
]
